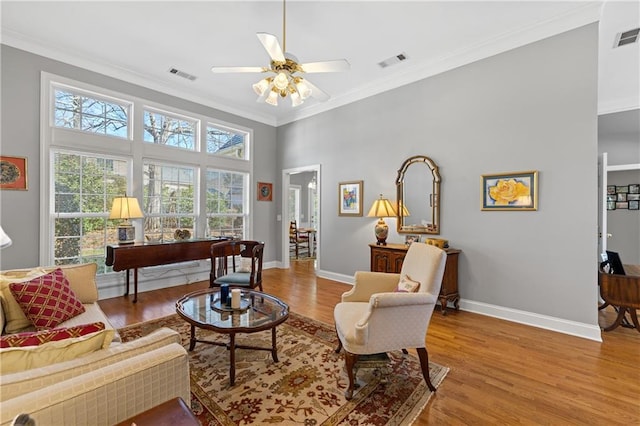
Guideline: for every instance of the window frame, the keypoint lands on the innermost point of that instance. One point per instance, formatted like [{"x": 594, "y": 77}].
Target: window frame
[{"x": 135, "y": 149}]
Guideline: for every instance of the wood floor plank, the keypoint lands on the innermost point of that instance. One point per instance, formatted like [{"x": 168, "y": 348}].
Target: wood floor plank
[{"x": 501, "y": 372}]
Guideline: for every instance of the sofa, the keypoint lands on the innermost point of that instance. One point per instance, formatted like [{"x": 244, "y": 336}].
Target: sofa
[{"x": 84, "y": 375}]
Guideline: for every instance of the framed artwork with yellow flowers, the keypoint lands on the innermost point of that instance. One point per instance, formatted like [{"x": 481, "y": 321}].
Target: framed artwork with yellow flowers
[{"x": 510, "y": 191}]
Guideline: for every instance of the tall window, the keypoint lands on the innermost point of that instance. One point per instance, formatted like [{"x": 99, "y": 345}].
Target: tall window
[
  {"x": 169, "y": 199},
  {"x": 95, "y": 148},
  {"x": 84, "y": 188},
  {"x": 226, "y": 200}
]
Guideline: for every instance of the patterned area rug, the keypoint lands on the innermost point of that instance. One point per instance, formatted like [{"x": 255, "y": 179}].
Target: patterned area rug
[{"x": 305, "y": 387}]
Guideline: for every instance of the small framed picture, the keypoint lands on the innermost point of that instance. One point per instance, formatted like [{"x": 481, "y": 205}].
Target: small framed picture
[
  {"x": 634, "y": 188},
  {"x": 622, "y": 189},
  {"x": 611, "y": 205},
  {"x": 612, "y": 197},
  {"x": 265, "y": 191},
  {"x": 410, "y": 239},
  {"x": 350, "y": 198},
  {"x": 611, "y": 189},
  {"x": 634, "y": 205},
  {"x": 633, "y": 197},
  {"x": 621, "y": 197},
  {"x": 13, "y": 173},
  {"x": 622, "y": 205},
  {"x": 516, "y": 191}
]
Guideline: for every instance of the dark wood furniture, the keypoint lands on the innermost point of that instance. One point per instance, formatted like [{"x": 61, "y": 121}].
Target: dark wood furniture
[
  {"x": 174, "y": 412},
  {"x": 258, "y": 312},
  {"x": 389, "y": 258},
  {"x": 140, "y": 255},
  {"x": 623, "y": 293},
  {"x": 223, "y": 264}
]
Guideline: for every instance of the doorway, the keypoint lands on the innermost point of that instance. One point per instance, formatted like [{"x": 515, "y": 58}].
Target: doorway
[{"x": 301, "y": 202}]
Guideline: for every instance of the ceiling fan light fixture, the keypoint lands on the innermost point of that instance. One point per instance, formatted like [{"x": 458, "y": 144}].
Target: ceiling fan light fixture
[
  {"x": 296, "y": 99},
  {"x": 303, "y": 89},
  {"x": 281, "y": 82},
  {"x": 272, "y": 99},
  {"x": 261, "y": 86}
]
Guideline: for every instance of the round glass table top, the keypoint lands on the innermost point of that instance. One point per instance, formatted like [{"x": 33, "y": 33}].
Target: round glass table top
[{"x": 258, "y": 311}]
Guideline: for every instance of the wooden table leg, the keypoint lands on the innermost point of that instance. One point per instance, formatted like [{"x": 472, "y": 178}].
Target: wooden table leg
[
  {"x": 232, "y": 359},
  {"x": 192, "y": 341},
  {"x": 274, "y": 351},
  {"x": 135, "y": 285},
  {"x": 126, "y": 291}
]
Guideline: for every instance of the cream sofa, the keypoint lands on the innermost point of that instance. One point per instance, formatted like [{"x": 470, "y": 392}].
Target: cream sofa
[{"x": 106, "y": 384}]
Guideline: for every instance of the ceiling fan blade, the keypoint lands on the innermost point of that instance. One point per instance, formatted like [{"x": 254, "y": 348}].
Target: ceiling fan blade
[
  {"x": 326, "y": 66},
  {"x": 271, "y": 45},
  {"x": 316, "y": 92},
  {"x": 219, "y": 70}
]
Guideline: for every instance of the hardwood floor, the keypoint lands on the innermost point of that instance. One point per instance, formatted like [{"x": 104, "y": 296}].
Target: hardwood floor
[{"x": 501, "y": 372}]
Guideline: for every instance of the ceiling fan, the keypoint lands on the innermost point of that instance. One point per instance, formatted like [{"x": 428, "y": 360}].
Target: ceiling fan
[{"x": 285, "y": 73}]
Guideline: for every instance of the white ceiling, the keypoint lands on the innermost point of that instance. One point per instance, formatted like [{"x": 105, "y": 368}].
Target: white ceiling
[{"x": 140, "y": 41}]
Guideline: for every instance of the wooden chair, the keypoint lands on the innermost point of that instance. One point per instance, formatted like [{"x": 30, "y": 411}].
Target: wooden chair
[
  {"x": 374, "y": 318},
  {"x": 297, "y": 240},
  {"x": 623, "y": 293},
  {"x": 237, "y": 263}
]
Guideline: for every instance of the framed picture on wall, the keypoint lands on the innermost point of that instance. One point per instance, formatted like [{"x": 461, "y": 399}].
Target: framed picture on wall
[
  {"x": 634, "y": 188},
  {"x": 516, "y": 191},
  {"x": 265, "y": 191},
  {"x": 13, "y": 173},
  {"x": 611, "y": 205},
  {"x": 611, "y": 189},
  {"x": 350, "y": 198},
  {"x": 634, "y": 205}
]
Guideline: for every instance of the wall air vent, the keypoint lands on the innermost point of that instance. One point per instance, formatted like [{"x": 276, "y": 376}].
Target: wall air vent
[
  {"x": 393, "y": 60},
  {"x": 182, "y": 74},
  {"x": 627, "y": 37}
]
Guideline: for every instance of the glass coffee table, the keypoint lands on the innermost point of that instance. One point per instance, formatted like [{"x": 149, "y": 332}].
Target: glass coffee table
[{"x": 258, "y": 311}]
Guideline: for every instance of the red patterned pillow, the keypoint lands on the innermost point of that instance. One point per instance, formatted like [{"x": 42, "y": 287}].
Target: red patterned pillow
[
  {"x": 47, "y": 300},
  {"x": 37, "y": 338}
]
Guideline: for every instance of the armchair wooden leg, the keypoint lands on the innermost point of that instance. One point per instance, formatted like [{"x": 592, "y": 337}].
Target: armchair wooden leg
[
  {"x": 350, "y": 361},
  {"x": 339, "y": 348},
  {"x": 424, "y": 363}
]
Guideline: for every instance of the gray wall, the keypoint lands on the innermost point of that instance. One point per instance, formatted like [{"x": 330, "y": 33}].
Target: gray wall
[
  {"x": 530, "y": 108},
  {"x": 20, "y": 210}
]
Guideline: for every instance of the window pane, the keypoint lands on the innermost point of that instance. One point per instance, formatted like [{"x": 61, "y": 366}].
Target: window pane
[
  {"x": 168, "y": 199},
  {"x": 166, "y": 130},
  {"x": 84, "y": 187},
  {"x": 226, "y": 143},
  {"x": 86, "y": 113},
  {"x": 225, "y": 203}
]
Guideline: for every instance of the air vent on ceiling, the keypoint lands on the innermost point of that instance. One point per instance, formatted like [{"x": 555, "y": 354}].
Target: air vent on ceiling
[
  {"x": 182, "y": 74},
  {"x": 393, "y": 60},
  {"x": 627, "y": 37}
]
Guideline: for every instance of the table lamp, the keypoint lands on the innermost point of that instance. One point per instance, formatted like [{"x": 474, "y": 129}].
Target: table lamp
[
  {"x": 126, "y": 208},
  {"x": 382, "y": 208}
]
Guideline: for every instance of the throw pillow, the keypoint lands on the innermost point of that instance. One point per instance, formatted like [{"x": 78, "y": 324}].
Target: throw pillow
[
  {"x": 37, "y": 338},
  {"x": 47, "y": 300},
  {"x": 13, "y": 360},
  {"x": 407, "y": 285},
  {"x": 14, "y": 317},
  {"x": 245, "y": 265},
  {"x": 82, "y": 280}
]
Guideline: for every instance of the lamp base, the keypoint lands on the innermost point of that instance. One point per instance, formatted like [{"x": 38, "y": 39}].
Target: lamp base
[
  {"x": 382, "y": 231},
  {"x": 126, "y": 234}
]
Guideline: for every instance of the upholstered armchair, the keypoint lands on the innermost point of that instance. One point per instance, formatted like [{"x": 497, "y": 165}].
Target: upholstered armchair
[
  {"x": 237, "y": 263},
  {"x": 386, "y": 312}
]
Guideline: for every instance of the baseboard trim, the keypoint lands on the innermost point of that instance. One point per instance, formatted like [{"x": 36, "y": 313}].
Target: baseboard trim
[{"x": 573, "y": 328}]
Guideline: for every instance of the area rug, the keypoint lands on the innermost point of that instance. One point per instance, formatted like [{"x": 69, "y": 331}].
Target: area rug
[{"x": 305, "y": 387}]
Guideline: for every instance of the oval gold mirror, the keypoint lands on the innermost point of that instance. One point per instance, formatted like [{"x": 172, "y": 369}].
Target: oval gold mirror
[{"x": 418, "y": 195}]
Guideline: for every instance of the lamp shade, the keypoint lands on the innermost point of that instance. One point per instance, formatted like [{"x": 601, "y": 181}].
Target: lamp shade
[
  {"x": 125, "y": 208},
  {"x": 5, "y": 241},
  {"x": 382, "y": 208}
]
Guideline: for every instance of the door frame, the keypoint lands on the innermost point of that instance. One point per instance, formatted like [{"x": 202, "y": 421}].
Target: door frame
[{"x": 286, "y": 174}]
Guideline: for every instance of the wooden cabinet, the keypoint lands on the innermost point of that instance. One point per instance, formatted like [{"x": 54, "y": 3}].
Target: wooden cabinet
[{"x": 389, "y": 258}]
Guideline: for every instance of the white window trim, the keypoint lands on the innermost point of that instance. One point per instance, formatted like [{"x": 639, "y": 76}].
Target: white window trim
[{"x": 134, "y": 148}]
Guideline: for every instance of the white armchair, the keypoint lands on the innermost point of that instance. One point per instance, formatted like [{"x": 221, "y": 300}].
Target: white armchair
[{"x": 374, "y": 318}]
